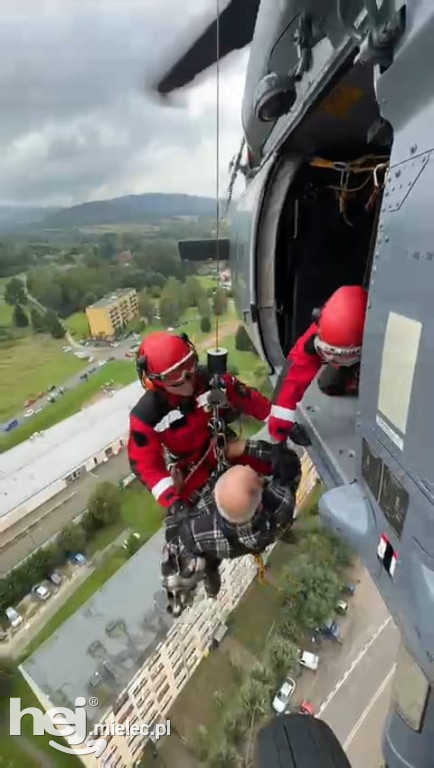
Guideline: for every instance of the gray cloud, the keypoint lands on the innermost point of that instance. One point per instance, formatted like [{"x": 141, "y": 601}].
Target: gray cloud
[{"x": 77, "y": 122}]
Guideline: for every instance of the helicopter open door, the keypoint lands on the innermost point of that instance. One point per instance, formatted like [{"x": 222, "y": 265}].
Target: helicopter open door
[{"x": 311, "y": 215}]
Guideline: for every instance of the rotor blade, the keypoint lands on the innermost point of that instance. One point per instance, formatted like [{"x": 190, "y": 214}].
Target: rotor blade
[{"x": 236, "y": 25}]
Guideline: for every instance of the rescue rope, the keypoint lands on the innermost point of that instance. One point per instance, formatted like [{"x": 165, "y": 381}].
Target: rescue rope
[
  {"x": 217, "y": 161},
  {"x": 259, "y": 562}
]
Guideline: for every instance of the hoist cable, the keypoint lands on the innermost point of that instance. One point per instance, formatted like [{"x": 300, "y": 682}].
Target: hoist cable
[{"x": 217, "y": 166}]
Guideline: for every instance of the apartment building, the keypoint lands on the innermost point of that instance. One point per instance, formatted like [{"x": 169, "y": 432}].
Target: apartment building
[
  {"x": 107, "y": 316},
  {"x": 126, "y": 651}
]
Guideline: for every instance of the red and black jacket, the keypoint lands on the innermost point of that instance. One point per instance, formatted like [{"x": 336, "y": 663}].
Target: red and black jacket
[{"x": 162, "y": 421}]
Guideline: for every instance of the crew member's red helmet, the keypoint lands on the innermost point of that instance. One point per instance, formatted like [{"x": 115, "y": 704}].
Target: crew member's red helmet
[
  {"x": 166, "y": 360},
  {"x": 340, "y": 326}
]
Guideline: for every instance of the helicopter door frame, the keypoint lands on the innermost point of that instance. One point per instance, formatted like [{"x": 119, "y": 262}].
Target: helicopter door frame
[{"x": 284, "y": 174}]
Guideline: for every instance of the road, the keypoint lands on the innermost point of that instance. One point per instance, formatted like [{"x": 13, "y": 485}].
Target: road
[
  {"x": 35, "y": 529},
  {"x": 351, "y": 689}
]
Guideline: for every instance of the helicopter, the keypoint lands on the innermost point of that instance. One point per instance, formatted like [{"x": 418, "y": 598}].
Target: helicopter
[{"x": 337, "y": 116}]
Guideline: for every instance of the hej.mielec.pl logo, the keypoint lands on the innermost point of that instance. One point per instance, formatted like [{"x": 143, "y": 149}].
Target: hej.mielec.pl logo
[{"x": 62, "y": 722}]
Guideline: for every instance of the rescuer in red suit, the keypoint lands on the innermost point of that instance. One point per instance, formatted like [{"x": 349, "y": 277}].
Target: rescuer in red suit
[
  {"x": 335, "y": 337},
  {"x": 171, "y": 422}
]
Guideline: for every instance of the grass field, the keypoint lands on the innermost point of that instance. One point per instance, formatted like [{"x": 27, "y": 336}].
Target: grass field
[
  {"x": 119, "y": 372},
  {"x": 6, "y": 312},
  {"x": 77, "y": 325},
  {"x": 260, "y": 600},
  {"x": 195, "y": 704},
  {"x": 30, "y": 366},
  {"x": 13, "y": 748}
]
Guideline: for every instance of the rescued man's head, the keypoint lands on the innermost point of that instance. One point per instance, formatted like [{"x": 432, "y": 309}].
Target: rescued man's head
[{"x": 238, "y": 494}]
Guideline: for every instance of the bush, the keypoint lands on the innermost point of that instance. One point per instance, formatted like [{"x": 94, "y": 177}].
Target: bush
[{"x": 205, "y": 324}]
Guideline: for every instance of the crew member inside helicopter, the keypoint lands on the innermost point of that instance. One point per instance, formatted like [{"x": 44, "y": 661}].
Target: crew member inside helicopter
[
  {"x": 335, "y": 338},
  {"x": 238, "y": 513},
  {"x": 172, "y": 423}
]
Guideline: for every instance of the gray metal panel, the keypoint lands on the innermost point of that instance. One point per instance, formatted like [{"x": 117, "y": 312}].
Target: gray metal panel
[
  {"x": 331, "y": 422},
  {"x": 402, "y": 282}
]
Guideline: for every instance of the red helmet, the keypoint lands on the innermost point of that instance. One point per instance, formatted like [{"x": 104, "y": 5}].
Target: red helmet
[
  {"x": 340, "y": 326},
  {"x": 166, "y": 359}
]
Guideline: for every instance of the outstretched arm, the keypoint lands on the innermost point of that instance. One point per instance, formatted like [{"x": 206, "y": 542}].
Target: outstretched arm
[{"x": 303, "y": 363}]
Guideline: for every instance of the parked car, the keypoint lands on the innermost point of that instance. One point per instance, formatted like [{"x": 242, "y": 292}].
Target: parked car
[
  {"x": 41, "y": 591},
  {"x": 341, "y": 607},
  {"x": 283, "y": 696},
  {"x": 52, "y": 388},
  {"x": 309, "y": 660},
  {"x": 11, "y": 425},
  {"x": 306, "y": 708},
  {"x": 78, "y": 559},
  {"x": 55, "y": 578},
  {"x": 14, "y": 617},
  {"x": 349, "y": 589},
  {"x": 29, "y": 413},
  {"x": 331, "y": 629}
]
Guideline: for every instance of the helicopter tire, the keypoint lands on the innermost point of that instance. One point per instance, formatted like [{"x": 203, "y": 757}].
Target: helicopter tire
[{"x": 298, "y": 741}]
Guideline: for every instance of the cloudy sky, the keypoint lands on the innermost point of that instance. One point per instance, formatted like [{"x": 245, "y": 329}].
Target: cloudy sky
[{"x": 77, "y": 123}]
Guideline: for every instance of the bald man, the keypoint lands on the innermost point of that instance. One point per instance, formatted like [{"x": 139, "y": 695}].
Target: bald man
[{"x": 240, "y": 512}]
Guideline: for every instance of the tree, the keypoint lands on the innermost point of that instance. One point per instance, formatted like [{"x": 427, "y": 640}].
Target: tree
[
  {"x": 7, "y": 672},
  {"x": 202, "y": 743},
  {"x": 255, "y": 696},
  {"x": 20, "y": 317},
  {"x": 193, "y": 290},
  {"x": 53, "y": 325},
  {"x": 310, "y": 591},
  {"x": 220, "y": 301},
  {"x": 104, "y": 505},
  {"x": 235, "y": 724},
  {"x": 205, "y": 324},
  {"x": 204, "y": 306},
  {"x": 218, "y": 699},
  {"x": 15, "y": 292},
  {"x": 243, "y": 341},
  {"x": 108, "y": 246},
  {"x": 88, "y": 299},
  {"x": 262, "y": 675},
  {"x": 223, "y": 756},
  {"x": 169, "y": 311},
  {"x": 71, "y": 539},
  {"x": 280, "y": 655},
  {"x": 146, "y": 306},
  {"x": 37, "y": 319}
]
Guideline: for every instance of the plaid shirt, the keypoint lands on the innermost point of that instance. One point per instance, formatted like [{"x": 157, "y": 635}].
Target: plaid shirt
[{"x": 214, "y": 536}]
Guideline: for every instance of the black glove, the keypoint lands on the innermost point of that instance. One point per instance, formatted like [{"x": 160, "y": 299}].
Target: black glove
[
  {"x": 285, "y": 464},
  {"x": 299, "y": 436}
]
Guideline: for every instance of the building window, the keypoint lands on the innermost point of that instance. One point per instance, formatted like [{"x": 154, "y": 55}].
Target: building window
[
  {"x": 162, "y": 693},
  {"x": 126, "y": 714}
]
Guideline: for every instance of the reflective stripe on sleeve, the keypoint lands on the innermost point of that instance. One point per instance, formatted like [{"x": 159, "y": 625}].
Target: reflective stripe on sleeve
[
  {"x": 161, "y": 486},
  {"x": 282, "y": 413}
]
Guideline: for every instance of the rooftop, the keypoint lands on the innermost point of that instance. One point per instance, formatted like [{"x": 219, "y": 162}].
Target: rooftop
[
  {"x": 110, "y": 298},
  {"x": 39, "y": 462},
  {"x": 99, "y": 649}
]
